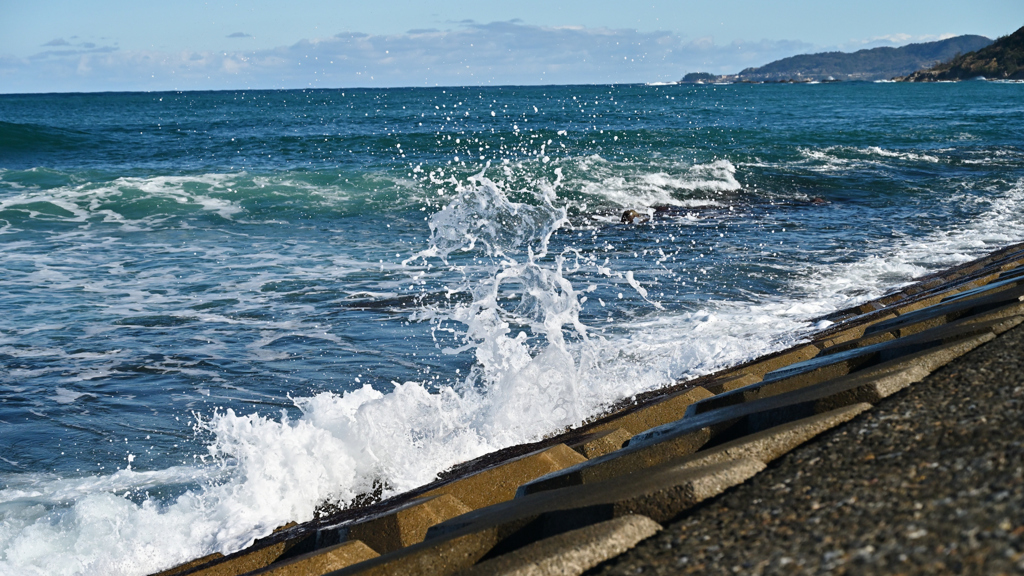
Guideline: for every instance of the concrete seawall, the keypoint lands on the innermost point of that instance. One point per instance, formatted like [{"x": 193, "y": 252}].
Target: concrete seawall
[
  {"x": 865, "y": 446},
  {"x": 929, "y": 481}
]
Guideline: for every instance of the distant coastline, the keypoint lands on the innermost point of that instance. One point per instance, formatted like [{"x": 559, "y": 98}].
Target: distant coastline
[
  {"x": 964, "y": 57},
  {"x": 1001, "y": 60}
]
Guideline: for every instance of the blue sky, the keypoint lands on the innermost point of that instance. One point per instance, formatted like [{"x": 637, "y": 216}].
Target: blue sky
[{"x": 64, "y": 46}]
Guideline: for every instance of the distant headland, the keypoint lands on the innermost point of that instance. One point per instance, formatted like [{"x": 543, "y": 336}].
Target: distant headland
[
  {"x": 959, "y": 58},
  {"x": 1001, "y": 60}
]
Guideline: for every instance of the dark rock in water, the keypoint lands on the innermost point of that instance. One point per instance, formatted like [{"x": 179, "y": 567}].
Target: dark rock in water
[
  {"x": 634, "y": 217},
  {"x": 698, "y": 78}
]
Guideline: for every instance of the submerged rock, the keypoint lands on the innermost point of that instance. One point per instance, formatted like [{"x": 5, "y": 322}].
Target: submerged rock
[{"x": 634, "y": 217}]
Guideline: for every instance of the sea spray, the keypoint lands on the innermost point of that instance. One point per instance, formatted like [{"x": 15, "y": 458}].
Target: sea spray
[
  {"x": 264, "y": 472},
  {"x": 529, "y": 390},
  {"x": 482, "y": 212}
]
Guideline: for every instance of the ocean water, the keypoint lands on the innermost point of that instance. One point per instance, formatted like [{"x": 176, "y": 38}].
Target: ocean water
[{"x": 221, "y": 310}]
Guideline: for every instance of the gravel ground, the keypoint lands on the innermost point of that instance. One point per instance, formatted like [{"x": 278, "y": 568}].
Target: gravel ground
[{"x": 930, "y": 481}]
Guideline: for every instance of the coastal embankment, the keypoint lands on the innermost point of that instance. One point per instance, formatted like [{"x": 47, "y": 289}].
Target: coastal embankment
[
  {"x": 796, "y": 461},
  {"x": 929, "y": 481}
]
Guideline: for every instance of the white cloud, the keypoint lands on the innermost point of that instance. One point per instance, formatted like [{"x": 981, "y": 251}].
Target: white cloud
[
  {"x": 469, "y": 54},
  {"x": 895, "y": 40}
]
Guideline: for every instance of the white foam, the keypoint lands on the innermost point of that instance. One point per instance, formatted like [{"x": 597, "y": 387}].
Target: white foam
[
  {"x": 901, "y": 155},
  {"x": 675, "y": 188},
  {"x": 66, "y": 396},
  {"x": 86, "y": 202},
  {"x": 900, "y": 260},
  {"x": 835, "y": 158}
]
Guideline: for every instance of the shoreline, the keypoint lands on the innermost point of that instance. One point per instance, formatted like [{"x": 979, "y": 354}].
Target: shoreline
[{"x": 649, "y": 435}]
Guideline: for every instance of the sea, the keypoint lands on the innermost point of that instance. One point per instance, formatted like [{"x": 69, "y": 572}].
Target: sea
[{"x": 224, "y": 311}]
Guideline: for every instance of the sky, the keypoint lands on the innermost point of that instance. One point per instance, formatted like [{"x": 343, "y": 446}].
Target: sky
[{"x": 130, "y": 45}]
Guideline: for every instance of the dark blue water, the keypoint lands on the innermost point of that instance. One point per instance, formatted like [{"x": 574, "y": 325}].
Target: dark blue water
[{"x": 221, "y": 309}]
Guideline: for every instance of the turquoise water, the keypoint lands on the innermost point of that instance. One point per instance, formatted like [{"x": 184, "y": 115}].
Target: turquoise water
[{"x": 222, "y": 309}]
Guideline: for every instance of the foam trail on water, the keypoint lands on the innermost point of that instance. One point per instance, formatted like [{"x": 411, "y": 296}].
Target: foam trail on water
[
  {"x": 673, "y": 184},
  {"x": 899, "y": 261}
]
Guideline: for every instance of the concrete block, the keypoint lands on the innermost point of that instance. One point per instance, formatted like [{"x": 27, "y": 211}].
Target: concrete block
[
  {"x": 252, "y": 558},
  {"x": 600, "y": 443},
  {"x": 885, "y": 379},
  {"x": 836, "y": 338},
  {"x": 983, "y": 278},
  {"x": 661, "y": 493},
  {"x": 956, "y": 284},
  {"x": 705, "y": 426},
  {"x": 438, "y": 557},
  {"x": 975, "y": 270},
  {"x": 915, "y": 333},
  {"x": 924, "y": 294},
  {"x": 1012, "y": 268},
  {"x": 183, "y": 568},
  {"x": 571, "y": 553},
  {"x": 1003, "y": 310},
  {"x": 499, "y": 483},
  {"x": 261, "y": 553},
  {"x": 890, "y": 299},
  {"x": 937, "y": 295},
  {"x": 983, "y": 264},
  {"x": 785, "y": 358},
  {"x": 792, "y": 420},
  {"x": 948, "y": 312},
  {"x": 859, "y": 342},
  {"x": 620, "y": 462},
  {"x": 951, "y": 288},
  {"x": 461, "y": 542},
  {"x": 321, "y": 561},
  {"x": 1005, "y": 324},
  {"x": 406, "y": 525},
  {"x": 1004, "y": 282},
  {"x": 732, "y": 381},
  {"x": 655, "y": 413},
  {"x": 769, "y": 444},
  {"x": 924, "y": 285},
  {"x": 859, "y": 386},
  {"x": 830, "y": 365},
  {"x": 880, "y": 348},
  {"x": 919, "y": 357},
  {"x": 869, "y": 307}
]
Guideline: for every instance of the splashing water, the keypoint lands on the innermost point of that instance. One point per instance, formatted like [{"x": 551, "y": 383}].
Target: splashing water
[
  {"x": 526, "y": 391},
  {"x": 268, "y": 472}
]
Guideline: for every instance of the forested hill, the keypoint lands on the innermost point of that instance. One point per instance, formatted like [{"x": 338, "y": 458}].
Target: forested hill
[
  {"x": 869, "y": 64},
  {"x": 1003, "y": 59}
]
